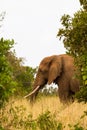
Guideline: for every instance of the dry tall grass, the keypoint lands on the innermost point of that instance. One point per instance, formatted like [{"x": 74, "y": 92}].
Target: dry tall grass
[{"x": 66, "y": 114}]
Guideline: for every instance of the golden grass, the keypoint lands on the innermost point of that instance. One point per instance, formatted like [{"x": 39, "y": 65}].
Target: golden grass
[
  {"x": 66, "y": 114},
  {"x": 72, "y": 115}
]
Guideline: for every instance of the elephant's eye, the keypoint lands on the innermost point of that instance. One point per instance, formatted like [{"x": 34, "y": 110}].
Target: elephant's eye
[{"x": 42, "y": 71}]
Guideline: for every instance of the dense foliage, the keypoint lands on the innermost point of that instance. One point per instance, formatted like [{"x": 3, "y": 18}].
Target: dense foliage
[
  {"x": 23, "y": 75},
  {"x": 74, "y": 34},
  {"x": 14, "y": 77},
  {"x": 7, "y": 83},
  {"x": 84, "y": 4}
]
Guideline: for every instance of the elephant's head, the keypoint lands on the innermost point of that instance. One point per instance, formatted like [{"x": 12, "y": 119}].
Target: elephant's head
[{"x": 49, "y": 69}]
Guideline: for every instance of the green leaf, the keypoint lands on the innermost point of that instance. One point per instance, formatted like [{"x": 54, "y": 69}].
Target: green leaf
[
  {"x": 86, "y": 82},
  {"x": 84, "y": 77}
]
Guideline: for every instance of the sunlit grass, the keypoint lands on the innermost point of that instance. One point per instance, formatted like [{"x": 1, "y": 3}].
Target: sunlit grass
[{"x": 66, "y": 114}]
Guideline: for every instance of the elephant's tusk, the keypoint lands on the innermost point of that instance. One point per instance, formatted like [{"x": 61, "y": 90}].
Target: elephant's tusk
[{"x": 32, "y": 92}]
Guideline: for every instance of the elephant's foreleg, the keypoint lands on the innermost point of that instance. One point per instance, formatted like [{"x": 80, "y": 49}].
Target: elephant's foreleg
[{"x": 63, "y": 95}]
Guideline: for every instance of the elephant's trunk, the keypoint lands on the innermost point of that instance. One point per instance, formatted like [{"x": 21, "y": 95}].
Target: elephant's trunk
[{"x": 38, "y": 84}]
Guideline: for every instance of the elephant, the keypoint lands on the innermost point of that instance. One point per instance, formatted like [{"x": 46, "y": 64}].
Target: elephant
[{"x": 58, "y": 69}]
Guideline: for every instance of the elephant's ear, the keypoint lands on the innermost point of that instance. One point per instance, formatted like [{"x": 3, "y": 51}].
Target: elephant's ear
[{"x": 54, "y": 71}]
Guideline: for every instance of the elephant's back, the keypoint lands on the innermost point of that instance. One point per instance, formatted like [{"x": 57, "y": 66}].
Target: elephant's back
[{"x": 68, "y": 62}]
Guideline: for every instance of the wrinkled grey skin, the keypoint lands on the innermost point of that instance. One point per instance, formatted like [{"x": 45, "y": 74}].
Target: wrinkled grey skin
[{"x": 58, "y": 69}]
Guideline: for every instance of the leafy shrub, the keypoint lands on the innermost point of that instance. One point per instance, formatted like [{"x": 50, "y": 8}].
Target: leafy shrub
[
  {"x": 47, "y": 122},
  {"x": 7, "y": 84},
  {"x": 14, "y": 77},
  {"x": 74, "y": 34}
]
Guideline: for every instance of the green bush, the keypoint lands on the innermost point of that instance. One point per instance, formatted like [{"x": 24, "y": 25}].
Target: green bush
[
  {"x": 47, "y": 122},
  {"x": 7, "y": 84},
  {"x": 74, "y": 34},
  {"x": 15, "y": 79}
]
